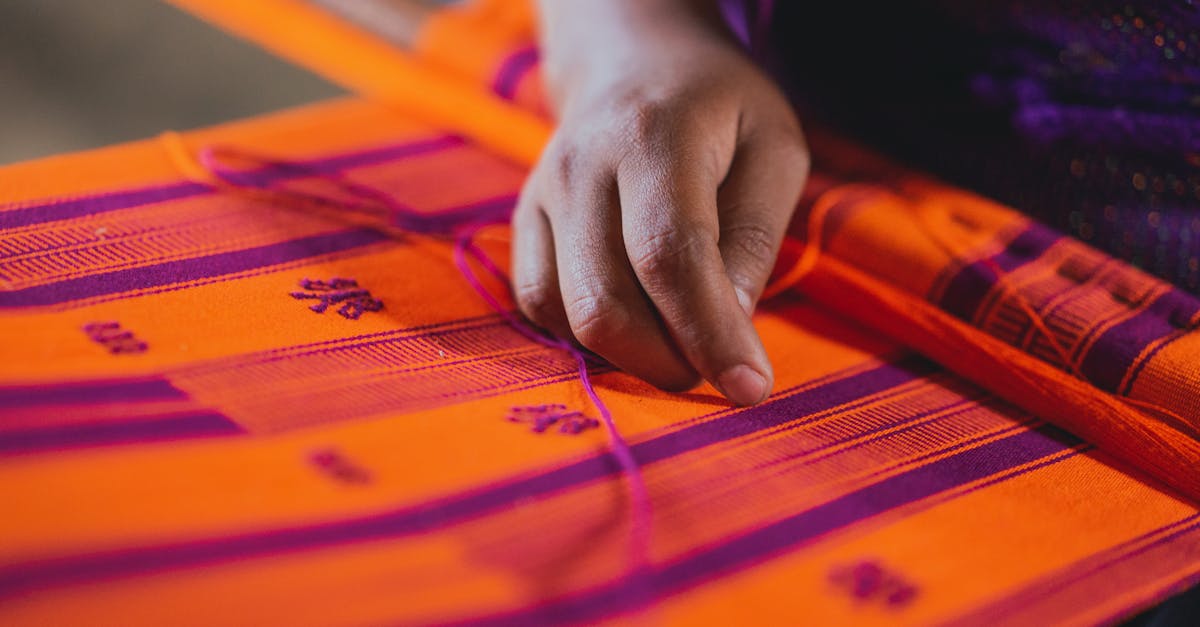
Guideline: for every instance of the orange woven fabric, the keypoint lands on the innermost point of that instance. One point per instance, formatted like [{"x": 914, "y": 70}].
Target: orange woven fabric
[{"x": 222, "y": 403}]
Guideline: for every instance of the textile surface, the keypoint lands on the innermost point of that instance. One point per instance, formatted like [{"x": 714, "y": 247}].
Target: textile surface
[{"x": 228, "y": 397}]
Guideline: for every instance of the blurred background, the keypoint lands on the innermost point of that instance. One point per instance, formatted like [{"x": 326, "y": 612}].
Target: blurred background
[{"x": 77, "y": 74}]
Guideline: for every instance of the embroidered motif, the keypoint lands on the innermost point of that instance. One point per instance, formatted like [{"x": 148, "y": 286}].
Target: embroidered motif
[
  {"x": 331, "y": 462},
  {"x": 542, "y": 417},
  {"x": 110, "y": 335},
  {"x": 354, "y": 300},
  {"x": 869, "y": 582}
]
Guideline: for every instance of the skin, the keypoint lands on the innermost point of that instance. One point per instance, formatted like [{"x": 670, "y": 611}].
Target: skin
[
  {"x": 651, "y": 223},
  {"x": 648, "y": 229}
]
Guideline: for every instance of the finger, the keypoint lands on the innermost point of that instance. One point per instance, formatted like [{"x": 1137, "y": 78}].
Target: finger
[
  {"x": 670, "y": 231},
  {"x": 607, "y": 311},
  {"x": 535, "y": 273},
  {"x": 756, "y": 203}
]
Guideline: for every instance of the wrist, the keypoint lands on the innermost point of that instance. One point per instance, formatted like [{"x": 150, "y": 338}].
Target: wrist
[{"x": 597, "y": 42}]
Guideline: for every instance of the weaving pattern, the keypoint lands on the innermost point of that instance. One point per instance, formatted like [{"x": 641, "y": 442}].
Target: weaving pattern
[{"x": 266, "y": 459}]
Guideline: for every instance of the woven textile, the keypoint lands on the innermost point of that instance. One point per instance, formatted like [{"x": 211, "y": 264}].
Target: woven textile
[{"x": 239, "y": 386}]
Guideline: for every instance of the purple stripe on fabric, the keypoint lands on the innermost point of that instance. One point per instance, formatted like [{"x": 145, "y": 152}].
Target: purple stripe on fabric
[
  {"x": 882, "y": 431},
  {"x": 635, "y": 591},
  {"x": 487, "y": 211},
  {"x": 472, "y": 504},
  {"x": 374, "y": 340},
  {"x": 184, "y": 270},
  {"x": 1114, "y": 352},
  {"x": 88, "y": 392},
  {"x": 776, "y": 412},
  {"x": 512, "y": 70},
  {"x": 265, "y": 175},
  {"x": 1141, "y": 365},
  {"x": 102, "y": 203},
  {"x": 205, "y": 424},
  {"x": 1047, "y": 312},
  {"x": 967, "y": 289}
]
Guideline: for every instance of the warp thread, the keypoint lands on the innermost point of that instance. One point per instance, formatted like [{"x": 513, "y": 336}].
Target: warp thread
[{"x": 1152, "y": 438}]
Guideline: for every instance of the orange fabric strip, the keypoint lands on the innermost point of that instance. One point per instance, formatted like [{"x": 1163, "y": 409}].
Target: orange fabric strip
[{"x": 192, "y": 430}]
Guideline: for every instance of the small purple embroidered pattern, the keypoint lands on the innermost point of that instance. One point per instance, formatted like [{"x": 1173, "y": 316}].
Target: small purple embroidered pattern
[
  {"x": 465, "y": 249},
  {"x": 868, "y": 581},
  {"x": 542, "y": 417},
  {"x": 334, "y": 464},
  {"x": 354, "y": 300},
  {"x": 117, "y": 340}
]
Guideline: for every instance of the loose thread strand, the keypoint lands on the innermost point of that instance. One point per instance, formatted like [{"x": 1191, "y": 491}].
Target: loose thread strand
[
  {"x": 640, "y": 506},
  {"x": 374, "y": 205},
  {"x": 811, "y": 252}
]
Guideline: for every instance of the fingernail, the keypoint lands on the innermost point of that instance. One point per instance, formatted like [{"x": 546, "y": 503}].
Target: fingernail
[
  {"x": 745, "y": 301},
  {"x": 742, "y": 385}
]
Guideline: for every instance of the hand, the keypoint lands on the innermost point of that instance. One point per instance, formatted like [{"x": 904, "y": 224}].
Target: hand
[{"x": 649, "y": 227}]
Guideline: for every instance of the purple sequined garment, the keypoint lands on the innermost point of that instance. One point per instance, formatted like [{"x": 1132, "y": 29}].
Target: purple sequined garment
[{"x": 1083, "y": 114}]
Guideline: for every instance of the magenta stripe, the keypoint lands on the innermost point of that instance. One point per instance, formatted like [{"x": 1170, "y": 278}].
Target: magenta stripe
[
  {"x": 88, "y": 392},
  {"x": 640, "y": 589},
  {"x": 514, "y": 68},
  {"x": 876, "y": 434},
  {"x": 102, "y": 203},
  {"x": 184, "y": 270},
  {"x": 783, "y": 410},
  {"x": 1141, "y": 364},
  {"x": 967, "y": 289},
  {"x": 1114, "y": 352},
  {"x": 487, "y": 211},
  {"x": 280, "y": 171},
  {"x": 421, "y": 333},
  {"x": 1112, "y": 355},
  {"x": 157, "y": 428},
  {"x": 473, "y": 504},
  {"x": 99, "y": 203}
]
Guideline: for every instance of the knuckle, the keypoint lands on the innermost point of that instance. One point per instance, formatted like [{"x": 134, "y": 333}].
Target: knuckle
[
  {"x": 572, "y": 173},
  {"x": 665, "y": 253},
  {"x": 595, "y": 318},
  {"x": 645, "y": 120},
  {"x": 752, "y": 243},
  {"x": 538, "y": 302},
  {"x": 565, "y": 165}
]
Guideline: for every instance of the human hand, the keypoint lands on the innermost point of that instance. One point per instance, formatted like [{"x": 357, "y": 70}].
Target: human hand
[{"x": 651, "y": 223}]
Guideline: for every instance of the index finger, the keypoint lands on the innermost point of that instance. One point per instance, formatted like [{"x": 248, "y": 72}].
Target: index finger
[{"x": 671, "y": 230}]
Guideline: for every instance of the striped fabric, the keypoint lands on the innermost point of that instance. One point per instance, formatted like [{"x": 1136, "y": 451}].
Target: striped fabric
[{"x": 221, "y": 405}]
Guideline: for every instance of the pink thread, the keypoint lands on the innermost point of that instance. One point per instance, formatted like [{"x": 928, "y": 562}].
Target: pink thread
[
  {"x": 641, "y": 522},
  {"x": 380, "y": 204}
]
